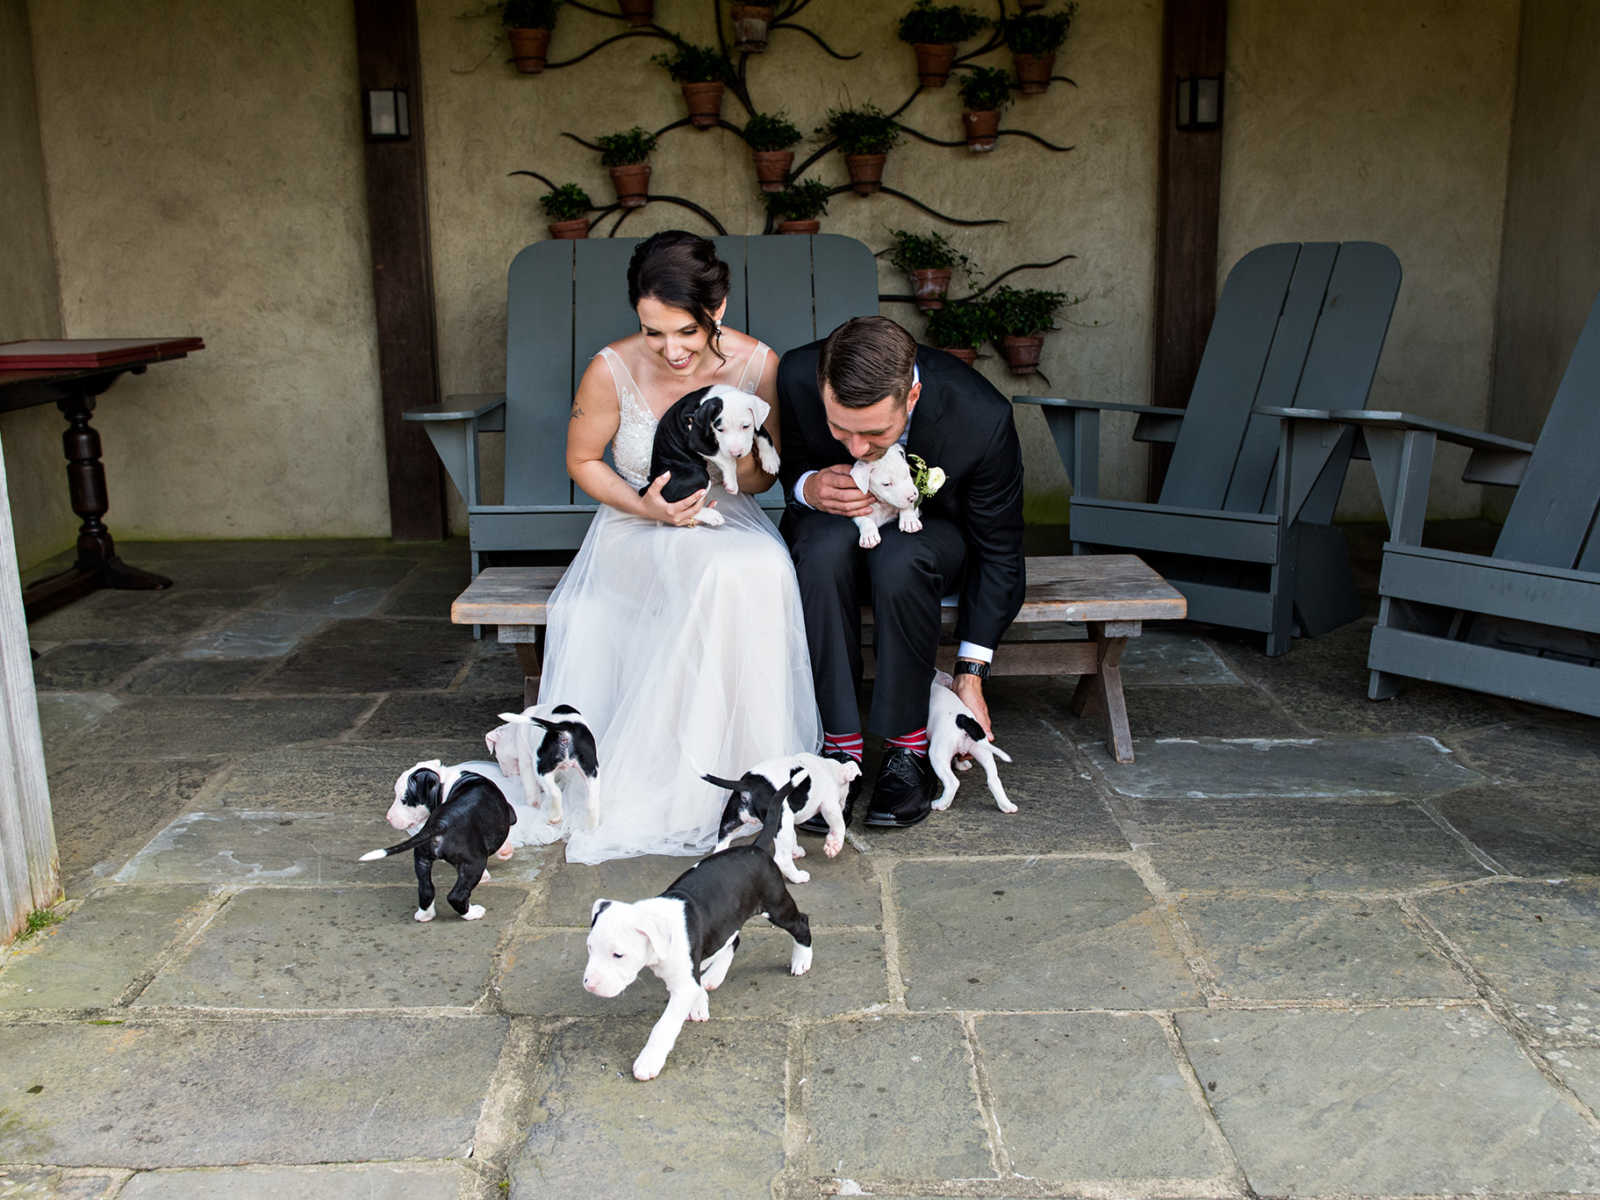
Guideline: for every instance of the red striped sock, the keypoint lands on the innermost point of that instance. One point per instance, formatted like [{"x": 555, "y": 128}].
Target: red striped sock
[
  {"x": 843, "y": 743},
  {"x": 916, "y": 741}
]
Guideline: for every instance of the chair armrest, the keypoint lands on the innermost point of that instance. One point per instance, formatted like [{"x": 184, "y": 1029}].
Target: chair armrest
[
  {"x": 487, "y": 409},
  {"x": 1403, "y": 422},
  {"x": 453, "y": 428},
  {"x": 1098, "y": 406}
]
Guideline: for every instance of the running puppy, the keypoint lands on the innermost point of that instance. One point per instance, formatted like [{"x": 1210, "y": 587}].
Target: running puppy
[
  {"x": 467, "y": 819},
  {"x": 889, "y": 482},
  {"x": 540, "y": 745},
  {"x": 954, "y": 731},
  {"x": 687, "y": 936},
  {"x": 701, "y": 438},
  {"x": 823, "y": 786}
]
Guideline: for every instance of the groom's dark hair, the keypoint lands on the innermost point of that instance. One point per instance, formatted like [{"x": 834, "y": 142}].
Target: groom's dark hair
[{"x": 866, "y": 359}]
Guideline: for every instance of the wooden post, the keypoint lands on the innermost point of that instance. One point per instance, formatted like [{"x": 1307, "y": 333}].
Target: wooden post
[{"x": 30, "y": 869}]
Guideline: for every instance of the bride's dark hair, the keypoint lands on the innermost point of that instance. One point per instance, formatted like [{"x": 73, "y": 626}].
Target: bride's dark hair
[{"x": 683, "y": 270}]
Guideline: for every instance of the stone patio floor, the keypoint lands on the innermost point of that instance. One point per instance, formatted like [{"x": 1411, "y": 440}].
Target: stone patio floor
[{"x": 1306, "y": 945}]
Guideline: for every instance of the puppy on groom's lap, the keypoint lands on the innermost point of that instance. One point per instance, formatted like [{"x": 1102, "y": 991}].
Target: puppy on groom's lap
[{"x": 861, "y": 390}]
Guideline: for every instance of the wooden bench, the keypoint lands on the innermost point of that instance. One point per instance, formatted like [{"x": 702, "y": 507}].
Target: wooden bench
[{"x": 1111, "y": 594}]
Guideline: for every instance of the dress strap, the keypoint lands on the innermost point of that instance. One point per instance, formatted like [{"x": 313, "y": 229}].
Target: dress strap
[
  {"x": 753, "y": 366},
  {"x": 622, "y": 379}
]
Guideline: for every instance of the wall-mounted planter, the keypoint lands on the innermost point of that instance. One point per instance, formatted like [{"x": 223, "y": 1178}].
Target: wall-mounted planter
[
  {"x": 638, "y": 12},
  {"x": 1022, "y": 353},
  {"x": 529, "y": 47},
  {"x": 964, "y": 353},
  {"x": 632, "y": 183},
  {"x": 799, "y": 226},
  {"x": 866, "y": 172},
  {"x": 981, "y": 128},
  {"x": 1030, "y": 5},
  {"x": 929, "y": 285},
  {"x": 1033, "y": 71},
  {"x": 751, "y": 25},
  {"x": 705, "y": 103},
  {"x": 933, "y": 63},
  {"x": 772, "y": 168},
  {"x": 577, "y": 227}
]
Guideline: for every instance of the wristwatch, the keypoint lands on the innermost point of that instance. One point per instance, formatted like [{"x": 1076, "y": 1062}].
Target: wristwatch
[{"x": 971, "y": 666}]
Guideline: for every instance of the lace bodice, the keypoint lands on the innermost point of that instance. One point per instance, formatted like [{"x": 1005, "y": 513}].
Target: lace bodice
[{"x": 636, "y": 424}]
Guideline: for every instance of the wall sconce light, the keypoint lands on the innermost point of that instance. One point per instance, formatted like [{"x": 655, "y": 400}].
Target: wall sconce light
[
  {"x": 1200, "y": 102},
  {"x": 388, "y": 118}
]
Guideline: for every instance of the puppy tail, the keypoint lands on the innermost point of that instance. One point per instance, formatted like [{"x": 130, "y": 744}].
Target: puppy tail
[
  {"x": 999, "y": 753},
  {"x": 731, "y": 784},
  {"x": 411, "y": 842}
]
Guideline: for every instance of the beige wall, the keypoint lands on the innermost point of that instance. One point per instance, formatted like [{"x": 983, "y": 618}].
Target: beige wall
[
  {"x": 1372, "y": 120},
  {"x": 29, "y": 301},
  {"x": 205, "y": 176}
]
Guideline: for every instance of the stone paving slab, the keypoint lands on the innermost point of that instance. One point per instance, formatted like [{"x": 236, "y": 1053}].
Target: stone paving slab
[
  {"x": 1580, "y": 1070},
  {"x": 65, "y": 716},
  {"x": 253, "y": 635},
  {"x": 1095, "y": 1097},
  {"x": 88, "y": 666},
  {"x": 343, "y": 588},
  {"x": 1284, "y": 768},
  {"x": 107, "y": 943},
  {"x": 1545, "y": 830},
  {"x": 1295, "y": 846},
  {"x": 1536, "y": 944},
  {"x": 331, "y": 1090},
  {"x": 1035, "y": 934},
  {"x": 711, "y": 1124},
  {"x": 439, "y": 716},
  {"x": 1360, "y": 951},
  {"x": 199, "y": 678},
  {"x": 1560, "y": 749},
  {"x": 53, "y": 1183},
  {"x": 1386, "y": 1102},
  {"x": 892, "y": 1097},
  {"x": 311, "y": 948},
  {"x": 1168, "y": 712},
  {"x": 371, "y": 1181},
  {"x": 346, "y": 776},
  {"x": 367, "y": 655},
  {"x": 109, "y": 615},
  {"x": 543, "y": 976},
  {"x": 157, "y": 727}
]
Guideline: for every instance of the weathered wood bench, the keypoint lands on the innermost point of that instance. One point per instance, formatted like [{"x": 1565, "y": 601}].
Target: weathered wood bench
[{"x": 1112, "y": 595}]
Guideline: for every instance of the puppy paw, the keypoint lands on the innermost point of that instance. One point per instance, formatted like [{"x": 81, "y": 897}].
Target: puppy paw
[
  {"x": 869, "y": 539},
  {"x": 963, "y": 764},
  {"x": 555, "y": 819},
  {"x": 799, "y": 851},
  {"x": 910, "y": 522},
  {"x": 484, "y": 878},
  {"x": 700, "y": 1010},
  {"x": 943, "y": 802},
  {"x": 832, "y": 844},
  {"x": 710, "y": 516},
  {"x": 1005, "y": 806},
  {"x": 423, "y": 914},
  {"x": 798, "y": 876},
  {"x": 505, "y": 851},
  {"x": 474, "y": 911},
  {"x": 647, "y": 1066},
  {"x": 800, "y": 960}
]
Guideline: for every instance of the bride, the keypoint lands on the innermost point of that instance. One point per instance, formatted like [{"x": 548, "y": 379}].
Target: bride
[{"x": 683, "y": 645}]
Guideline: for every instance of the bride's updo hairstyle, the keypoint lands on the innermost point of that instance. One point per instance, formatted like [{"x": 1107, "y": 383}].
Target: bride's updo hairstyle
[{"x": 681, "y": 269}]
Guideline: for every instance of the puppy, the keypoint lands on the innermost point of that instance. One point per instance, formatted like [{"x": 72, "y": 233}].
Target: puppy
[
  {"x": 888, "y": 481},
  {"x": 954, "y": 731},
  {"x": 823, "y": 785},
  {"x": 540, "y": 745},
  {"x": 408, "y": 817},
  {"x": 688, "y": 935},
  {"x": 467, "y": 819},
  {"x": 701, "y": 438}
]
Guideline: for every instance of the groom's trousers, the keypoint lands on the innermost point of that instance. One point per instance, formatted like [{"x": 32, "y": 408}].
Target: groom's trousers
[{"x": 905, "y": 576}]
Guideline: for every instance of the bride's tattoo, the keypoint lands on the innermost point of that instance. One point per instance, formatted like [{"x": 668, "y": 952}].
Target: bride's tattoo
[{"x": 577, "y": 411}]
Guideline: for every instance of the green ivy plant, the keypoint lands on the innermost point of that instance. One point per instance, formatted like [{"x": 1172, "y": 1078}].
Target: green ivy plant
[
  {"x": 963, "y": 324},
  {"x": 689, "y": 63},
  {"x": 985, "y": 89},
  {"x": 1023, "y": 312},
  {"x": 1038, "y": 33},
  {"x": 864, "y": 130},
  {"x": 771, "y": 131},
  {"x": 803, "y": 201},
  {"x": 626, "y": 148},
  {"x": 941, "y": 25},
  {"x": 924, "y": 252},
  {"x": 529, "y": 14},
  {"x": 566, "y": 203}
]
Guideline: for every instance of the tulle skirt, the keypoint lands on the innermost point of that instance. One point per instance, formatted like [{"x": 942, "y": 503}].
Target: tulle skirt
[{"x": 685, "y": 650}]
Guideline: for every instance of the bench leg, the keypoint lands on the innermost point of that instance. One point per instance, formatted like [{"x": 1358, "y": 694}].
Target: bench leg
[
  {"x": 1106, "y": 683},
  {"x": 531, "y": 656}
]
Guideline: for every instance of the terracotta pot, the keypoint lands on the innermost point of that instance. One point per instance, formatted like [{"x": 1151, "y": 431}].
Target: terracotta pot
[
  {"x": 632, "y": 182},
  {"x": 1033, "y": 72},
  {"x": 965, "y": 354},
  {"x": 1022, "y": 353},
  {"x": 772, "y": 168},
  {"x": 866, "y": 172},
  {"x": 750, "y": 26},
  {"x": 705, "y": 104},
  {"x": 981, "y": 128},
  {"x": 528, "y": 49},
  {"x": 933, "y": 63},
  {"x": 571, "y": 230},
  {"x": 1029, "y": 5},
  {"x": 799, "y": 226},
  {"x": 928, "y": 285},
  {"x": 638, "y": 12}
]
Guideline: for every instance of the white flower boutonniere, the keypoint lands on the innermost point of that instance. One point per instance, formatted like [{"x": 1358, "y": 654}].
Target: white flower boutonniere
[{"x": 928, "y": 479}]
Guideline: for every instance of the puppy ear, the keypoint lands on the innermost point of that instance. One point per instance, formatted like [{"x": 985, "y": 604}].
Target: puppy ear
[
  {"x": 518, "y": 718},
  {"x": 703, "y": 425},
  {"x": 596, "y": 909},
  {"x": 759, "y": 409},
  {"x": 656, "y": 934},
  {"x": 492, "y": 738},
  {"x": 860, "y": 474}
]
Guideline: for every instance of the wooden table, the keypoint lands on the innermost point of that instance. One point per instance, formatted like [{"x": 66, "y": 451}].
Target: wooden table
[
  {"x": 71, "y": 374},
  {"x": 1112, "y": 595}
]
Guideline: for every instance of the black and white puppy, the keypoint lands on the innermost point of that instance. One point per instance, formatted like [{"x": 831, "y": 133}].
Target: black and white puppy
[
  {"x": 953, "y": 731},
  {"x": 687, "y": 936},
  {"x": 540, "y": 745},
  {"x": 701, "y": 438},
  {"x": 888, "y": 480},
  {"x": 467, "y": 819},
  {"x": 824, "y": 788}
]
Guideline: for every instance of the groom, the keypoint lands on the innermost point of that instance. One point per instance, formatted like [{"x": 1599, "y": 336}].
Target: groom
[{"x": 863, "y": 389}]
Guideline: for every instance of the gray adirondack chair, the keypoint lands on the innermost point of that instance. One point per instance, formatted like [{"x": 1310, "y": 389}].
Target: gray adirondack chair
[
  {"x": 1524, "y": 621},
  {"x": 1243, "y": 527},
  {"x": 565, "y": 300}
]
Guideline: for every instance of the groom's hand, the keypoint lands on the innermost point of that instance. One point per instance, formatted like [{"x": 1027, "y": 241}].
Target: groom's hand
[
  {"x": 970, "y": 689},
  {"x": 831, "y": 490}
]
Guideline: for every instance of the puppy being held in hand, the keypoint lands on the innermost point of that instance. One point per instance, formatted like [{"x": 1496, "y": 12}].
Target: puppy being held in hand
[
  {"x": 952, "y": 732},
  {"x": 888, "y": 480},
  {"x": 701, "y": 438},
  {"x": 543, "y": 744},
  {"x": 823, "y": 786},
  {"x": 688, "y": 935}
]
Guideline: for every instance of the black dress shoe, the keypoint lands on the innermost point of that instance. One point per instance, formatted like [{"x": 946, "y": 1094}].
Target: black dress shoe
[
  {"x": 900, "y": 798},
  {"x": 815, "y": 823}
]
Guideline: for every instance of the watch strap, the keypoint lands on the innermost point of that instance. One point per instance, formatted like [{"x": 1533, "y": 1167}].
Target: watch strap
[{"x": 967, "y": 666}]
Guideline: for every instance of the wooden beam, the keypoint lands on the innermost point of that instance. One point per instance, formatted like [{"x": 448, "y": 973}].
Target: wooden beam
[
  {"x": 402, "y": 273},
  {"x": 1189, "y": 189}
]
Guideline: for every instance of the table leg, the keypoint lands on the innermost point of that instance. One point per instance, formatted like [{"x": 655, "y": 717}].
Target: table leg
[
  {"x": 531, "y": 656},
  {"x": 1107, "y": 684}
]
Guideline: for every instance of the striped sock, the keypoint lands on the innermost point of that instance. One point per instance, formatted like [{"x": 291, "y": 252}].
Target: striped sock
[
  {"x": 843, "y": 743},
  {"x": 916, "y": 741}
]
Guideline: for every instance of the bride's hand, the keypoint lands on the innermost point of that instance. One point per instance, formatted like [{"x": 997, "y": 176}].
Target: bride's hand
[{"x": 671, "y": 512}]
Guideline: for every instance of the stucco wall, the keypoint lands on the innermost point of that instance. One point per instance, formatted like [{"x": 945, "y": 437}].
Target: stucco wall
[
  {"x": 29, "y": 303},
  {"x": 205, "y": 177},
  {"x": 1370, "y": 120}
]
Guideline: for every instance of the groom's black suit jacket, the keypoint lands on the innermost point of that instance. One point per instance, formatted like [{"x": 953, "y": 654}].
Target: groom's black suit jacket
[{"x": 962, "y": 424}]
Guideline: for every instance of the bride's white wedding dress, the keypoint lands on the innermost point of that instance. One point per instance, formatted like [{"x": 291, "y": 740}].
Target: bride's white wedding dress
[{"x": 685, "y": 650}]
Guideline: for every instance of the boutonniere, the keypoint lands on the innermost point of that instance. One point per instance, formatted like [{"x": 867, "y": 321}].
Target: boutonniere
[{"x": 928, "y": 479}]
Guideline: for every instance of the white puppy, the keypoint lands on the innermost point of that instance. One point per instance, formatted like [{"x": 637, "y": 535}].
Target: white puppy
[
  {"x": 888, "y": 481},
  {"x": 542, "y": 745},
  {"x": 954, "y": 731},
  {"x": 820, "y": 785},
  {"x": 739, "y": 428}
]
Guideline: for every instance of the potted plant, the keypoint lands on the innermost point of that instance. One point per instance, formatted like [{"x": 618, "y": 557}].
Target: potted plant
[
  {"x": 797, "y": 207},
  {"x": 985, "y": 92},
  {"x": 933, "y": 33},
  {"x": 865, "y": 135},
  {"x": 929, "y": 259},
  {"x": 528, "y": 24},
  {"x": 1022, "y": 316},
  {"x": 702, "y": 72},
  {"x": 1033, "y": 39},
  {"x": 770, "y": 136},
  {"x": 751, "y": 25},
  {"x": 566, "y": 207},
  {"x": 961, "y": 327},
  {"x": 627, "y": 156},
  {"x": 640, "y": 12}
]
